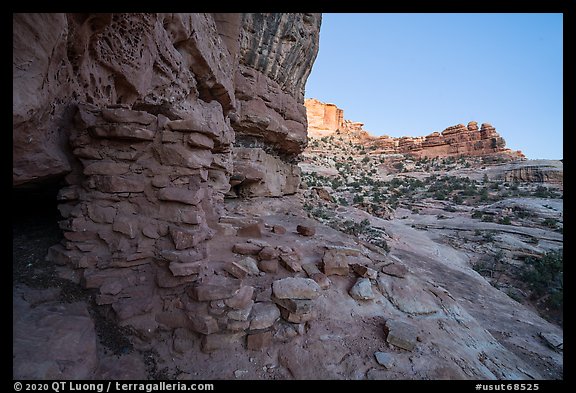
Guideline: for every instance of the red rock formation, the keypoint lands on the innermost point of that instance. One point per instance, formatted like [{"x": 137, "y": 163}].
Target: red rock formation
[
  {"x": 141, "y": 116},
  {"x": 458, "y": 140},
  {"x": 323, "y": 118}
]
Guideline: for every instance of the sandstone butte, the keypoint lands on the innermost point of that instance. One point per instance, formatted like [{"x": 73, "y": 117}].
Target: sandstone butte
[{"x": 459, "y": 140}]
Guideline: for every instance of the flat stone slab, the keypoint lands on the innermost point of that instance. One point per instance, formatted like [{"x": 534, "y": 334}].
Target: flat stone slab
[
  {"x": 296, "y": 288},
  {"x": 395, "y": 269},
  {"x": 241, "y": 299},
  {"x": 553, "y": 340},
  {"x": 264, "y": 314},
  {"x": 401, "y": 334},
  {"x": 408, "y": 295},
  {"x": 294, "y": 305},
  {"x": 384, "y": 359},
  {"x": 215, "y": 288}
]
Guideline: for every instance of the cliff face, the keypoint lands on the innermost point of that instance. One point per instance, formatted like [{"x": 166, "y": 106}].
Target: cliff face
[
  {"x": 141, "y": 116},
  {"x": 456, "y": 140},
  {"x": 539, "y": 171}
]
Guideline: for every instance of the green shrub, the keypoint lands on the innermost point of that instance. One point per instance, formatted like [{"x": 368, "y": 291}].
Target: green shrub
[
  {"x": 477, "y": 214},
  {"x": 550, "y": 223},
  {"x": 544, "y": 276}
]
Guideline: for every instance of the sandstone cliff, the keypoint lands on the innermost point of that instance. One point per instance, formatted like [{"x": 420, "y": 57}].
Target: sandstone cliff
[
  {"x": 145, "y": 119},
  {"x": 459, "y": 140}
]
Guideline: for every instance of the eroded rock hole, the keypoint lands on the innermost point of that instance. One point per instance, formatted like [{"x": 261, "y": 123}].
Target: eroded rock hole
[{"x": 35, "y": 229}]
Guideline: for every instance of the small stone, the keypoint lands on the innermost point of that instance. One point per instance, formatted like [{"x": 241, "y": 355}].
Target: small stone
[
  {"x": 310, "y": 268},
  {"x": 258, "y": 341},
  {"x": 264, "y": 315},
  {"x": 200, "y": 141},
  {"x": 241, "y": 314},
  {"x": 279, "y": 229},
  {"x": 204, "y": 324},
  {"x": 285, "y": 332},
  {"x": 121, "y": 131},
  {"x": 214, "y": 288},
  {"x": 322, "y": 280},
  {"x": 268, "y": 266},
  {"x": 217, "y": 304},
  {"x": 400, "y": 334},
  {"x": 182, "y": 195},
  {"x": 185, "y": 269},
  {"x": 315, "y": 274},
  {"x": 236, "y": 270},
  {"x": 236, "y": 326},
  {"x": 285, "y": 249},
  {"x": 240, "y": 373},
  {"x": 160, "y": 181},
  {"x": 123, "y": 115},
  {"x": 268, "y": 253},
  {"x": 362, "y": 290},
  {"x": 106, "y": 168},
  {"x": 184, "y": 256},
  {"x": 364, "y": 271},
  {"x": 251, "y": 230},
  {"x": 384, "y": 359},
  {"x": 68, "y": 193},
  {"x": 246, "y": 249},
  {"x": 295, "y": 288},
  {"x": 150, "y": 231},
  {"x": 553, "y": 340},
  {"x": 291, "y": 262},
  {"x": 306, "y": 230},
  {"x": 250, "y": 265},
  {"x": 126, "y": 225},
  {"x": 101, "y": 214},
  {"x": 184, "y": 239},
  {"x": 241, "y": 299},
  {"x": 294, "y": 305},
  {"x": 297, "y": 318},
  {"x": 335, "y": 262},
  {"x": 259, "y": 243},
  {"x": 59, "y": 255}
]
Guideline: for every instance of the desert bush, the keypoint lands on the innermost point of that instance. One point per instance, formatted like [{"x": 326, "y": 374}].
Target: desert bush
[{"x": 544, "y": 277}]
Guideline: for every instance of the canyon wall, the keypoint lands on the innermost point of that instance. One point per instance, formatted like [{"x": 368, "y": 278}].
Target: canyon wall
[
  {"x": 148, "y": 121},
  {"x": 458, "y": 140}
]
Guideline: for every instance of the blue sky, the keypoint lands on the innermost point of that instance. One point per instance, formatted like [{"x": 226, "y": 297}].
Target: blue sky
[{"x": 413, "y": 74}]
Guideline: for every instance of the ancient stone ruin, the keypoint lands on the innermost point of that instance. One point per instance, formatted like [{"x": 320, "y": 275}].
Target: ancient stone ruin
[{"x": 150, "y": 121}]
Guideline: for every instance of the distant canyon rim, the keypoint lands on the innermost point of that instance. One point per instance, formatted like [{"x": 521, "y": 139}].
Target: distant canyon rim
[{"x": 182, "y": 212}]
